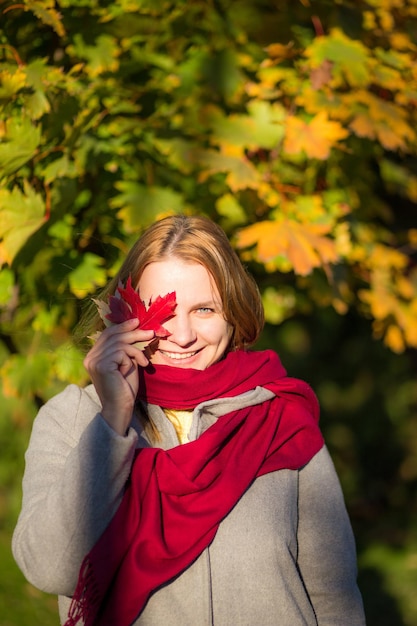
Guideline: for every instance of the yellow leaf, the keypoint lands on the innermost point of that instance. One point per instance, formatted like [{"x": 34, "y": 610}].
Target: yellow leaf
[
  {"x": 316, "y": 138},
  {"x": 275, "y": 77},
  {"x": 369, "y": 21},
  {"x": 11, "y": 83},
  {"x": 232, "y": 150},
  {"x": 278, "y": 51},
  {"x": 394, "y": 339},
  {"x": 313, "y": 101},
  {"x": 268, "y": 194},
  {"x": 343, "y": 239},
  {"x": 401, "y": 41},
  {"x": 363, "y": 126},
  {"x": 380, "y": 301},
  {"x": 386, "y": 19},
  {"x": 383, "y": 257},
  {"x": 303, "y": 245}
]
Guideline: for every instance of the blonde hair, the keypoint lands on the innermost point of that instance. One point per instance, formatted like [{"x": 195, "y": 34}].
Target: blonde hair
[{"x": 194, "y": 239}]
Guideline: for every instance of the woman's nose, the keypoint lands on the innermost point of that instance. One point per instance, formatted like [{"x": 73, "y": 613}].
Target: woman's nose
[{"x": 181, "y": 329}]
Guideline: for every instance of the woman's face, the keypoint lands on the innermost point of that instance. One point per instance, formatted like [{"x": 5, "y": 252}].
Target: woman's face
[{"x": 199, "y": 333}]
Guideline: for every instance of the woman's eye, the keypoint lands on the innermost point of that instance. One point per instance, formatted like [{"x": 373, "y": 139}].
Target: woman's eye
[{"x": 205, "y": 310}]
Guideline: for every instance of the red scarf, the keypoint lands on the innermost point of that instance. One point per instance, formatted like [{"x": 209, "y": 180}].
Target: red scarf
[{"x": 176, "y": 499}]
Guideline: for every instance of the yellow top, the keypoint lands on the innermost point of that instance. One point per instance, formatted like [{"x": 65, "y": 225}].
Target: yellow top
[{"x": 181, "y": 421}]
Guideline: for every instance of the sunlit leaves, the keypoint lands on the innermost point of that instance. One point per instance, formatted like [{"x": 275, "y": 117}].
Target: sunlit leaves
[
  {"x": 294, "y": 138},
  {"x": 315, "y": 138},
  {"x": 284, "y": 244},
  {"x": 292, "y": 124}
]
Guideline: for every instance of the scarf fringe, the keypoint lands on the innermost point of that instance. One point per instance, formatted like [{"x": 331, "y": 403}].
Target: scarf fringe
[{"x": 85, "y": 603}]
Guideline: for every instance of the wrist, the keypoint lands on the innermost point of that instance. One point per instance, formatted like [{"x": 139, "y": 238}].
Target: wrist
[{"x": 117, "y": 422}]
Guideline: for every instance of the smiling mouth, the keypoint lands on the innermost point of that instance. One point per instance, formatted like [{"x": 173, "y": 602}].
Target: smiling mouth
[{"x": 178, "y": 356}]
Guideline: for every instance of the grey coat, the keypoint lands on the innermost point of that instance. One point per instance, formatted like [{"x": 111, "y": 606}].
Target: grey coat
[{"x": 284, "y": 556}]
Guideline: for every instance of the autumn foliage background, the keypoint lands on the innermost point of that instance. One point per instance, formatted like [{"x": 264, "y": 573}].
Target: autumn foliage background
[{"x": 293, "y": 124}]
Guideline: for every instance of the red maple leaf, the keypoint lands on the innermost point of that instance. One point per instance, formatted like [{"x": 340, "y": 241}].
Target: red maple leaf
[{"x": 127, "y": 305}]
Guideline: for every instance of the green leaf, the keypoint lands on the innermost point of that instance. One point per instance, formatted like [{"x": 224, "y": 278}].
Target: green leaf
[
  {"x": 69, "y": 364},
  {"x": 63, "y": 229},
  {"x": 87, "y": 275},
  {"x": 141, "y": 205},
  {"x": 102, "y": 57},
  {"x": 278, "y": 303},
  {"x": 46, "y": 12},
  {"x": 263, "y": 127},
  {"x": 21, "y": 213},
  {"x": 6, "y": 285},
  {"x": 24, "y": 375},
  {"x": 229, "y": 208},
  {"x": 46, "y": 320},
  {"x": 37, "y": 104},
  {"x": 59, "y": 168},
  {"x": 18, "y": 144}
]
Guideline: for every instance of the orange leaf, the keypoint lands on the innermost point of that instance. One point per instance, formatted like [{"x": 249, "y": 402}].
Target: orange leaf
[
  {"x": 305, "y": 246},
  {"x": 315, "y": 138}
]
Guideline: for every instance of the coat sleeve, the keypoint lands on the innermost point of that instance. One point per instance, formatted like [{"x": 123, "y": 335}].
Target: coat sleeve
[
  {"x": 75, "y": 472},
  {"x": 326, "y": 546}
]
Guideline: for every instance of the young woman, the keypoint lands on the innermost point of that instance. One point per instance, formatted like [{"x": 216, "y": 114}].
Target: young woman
[{"x": 188, "y": 484}]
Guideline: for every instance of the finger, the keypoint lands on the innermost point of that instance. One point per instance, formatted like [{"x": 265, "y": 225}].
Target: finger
[
  {"x": 124, "y": 332},
  {"x": 110, "y": 343},
  {"x": 114, "y": 357}
]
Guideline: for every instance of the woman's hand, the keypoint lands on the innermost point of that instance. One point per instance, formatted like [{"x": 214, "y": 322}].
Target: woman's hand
[{"x": 113, "y": 367}]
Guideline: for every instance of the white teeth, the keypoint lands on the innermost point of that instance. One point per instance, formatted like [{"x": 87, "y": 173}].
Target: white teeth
[{"x": 178, "y": 355}]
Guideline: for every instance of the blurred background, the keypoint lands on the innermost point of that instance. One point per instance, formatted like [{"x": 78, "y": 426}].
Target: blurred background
[{"x": 292, "y": 125}]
